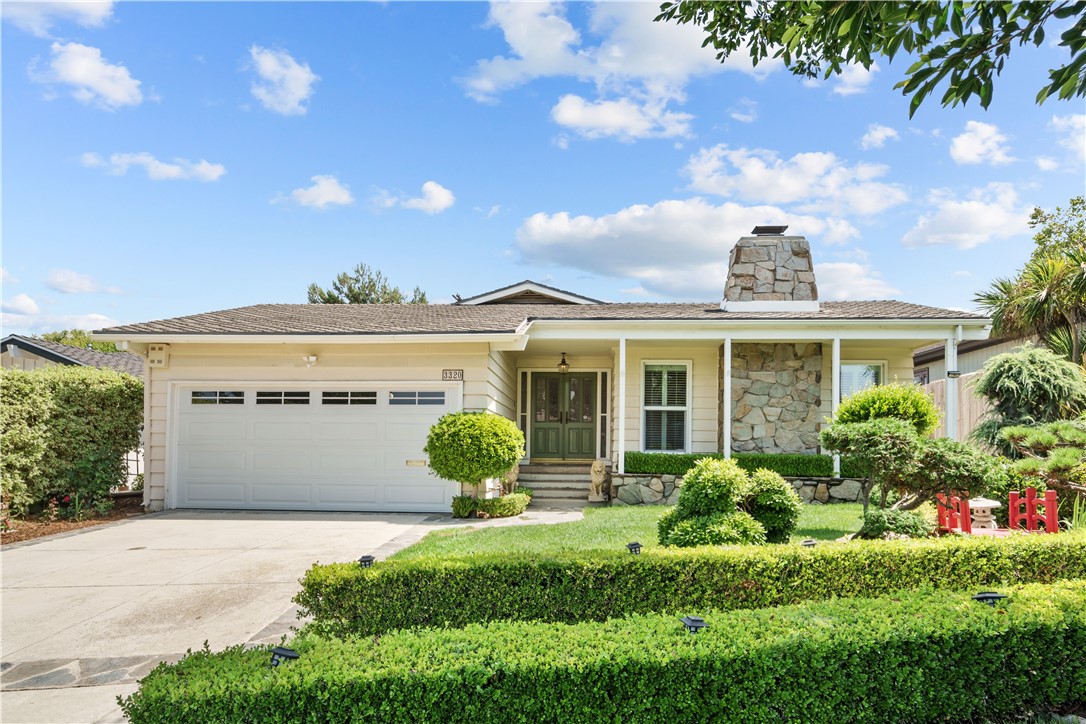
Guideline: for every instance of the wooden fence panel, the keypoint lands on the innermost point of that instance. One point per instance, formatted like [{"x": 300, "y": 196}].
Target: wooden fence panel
[{"x": 971, "y": 407}]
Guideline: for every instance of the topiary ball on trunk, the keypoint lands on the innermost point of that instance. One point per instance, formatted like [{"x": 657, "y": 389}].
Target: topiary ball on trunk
[{"x": 470, "y": 447}]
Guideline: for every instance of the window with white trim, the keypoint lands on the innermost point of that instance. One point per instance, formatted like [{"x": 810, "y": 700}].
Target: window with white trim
[
  {"x": 666, "y": 407},
  {"x": 857, "y": 376}
]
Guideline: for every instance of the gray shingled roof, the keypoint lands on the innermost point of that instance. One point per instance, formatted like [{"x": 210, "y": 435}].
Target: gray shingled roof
[
  {"x": 120, "y": 361},
  {"x": 498, "y": 318}
]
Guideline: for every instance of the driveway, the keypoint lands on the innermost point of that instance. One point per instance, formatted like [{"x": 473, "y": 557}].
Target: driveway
[{"x": 87, "y": 614}]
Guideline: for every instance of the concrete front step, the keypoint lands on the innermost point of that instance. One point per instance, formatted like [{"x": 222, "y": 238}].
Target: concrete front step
[
  {"x": 549, "y": 477},
  {"x": 559, "y": 494},
  {"x": 556, "y": 484}
]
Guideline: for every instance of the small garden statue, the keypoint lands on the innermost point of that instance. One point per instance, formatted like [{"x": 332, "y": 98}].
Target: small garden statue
[{"x": 599, "y": 482}]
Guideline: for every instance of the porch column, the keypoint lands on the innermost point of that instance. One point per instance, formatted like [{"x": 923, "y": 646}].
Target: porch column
[
  {"x": 835, "y": 387},
  {"x": 621, "y": 447},
  {"x": 950, "y": 355},
  {"x": 727, "y": 397}
]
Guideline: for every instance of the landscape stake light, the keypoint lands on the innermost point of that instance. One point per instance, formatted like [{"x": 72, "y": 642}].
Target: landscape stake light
[
  {"x": 989, "y": 597},
  {"x": 809, "y": 543},
  {"x": 281, "y": 654},
  {"x": 366, "y": 561},
  {"x": 694, "y": 623},
  {"x": 634, "y": 548}
]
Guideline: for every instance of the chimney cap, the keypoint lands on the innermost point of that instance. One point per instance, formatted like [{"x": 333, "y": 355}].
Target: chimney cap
[{"x": 769, "y": 230}]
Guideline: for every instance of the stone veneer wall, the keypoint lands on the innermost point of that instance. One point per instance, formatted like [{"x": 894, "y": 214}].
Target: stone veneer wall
[
  {"x": 776, "y": 397},
  {"x": 771, "y": 269},
  {"x": 664, "y": 489}
]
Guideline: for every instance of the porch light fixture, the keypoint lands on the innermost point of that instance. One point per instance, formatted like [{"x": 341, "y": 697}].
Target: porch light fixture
[
  {"x": 953, "y": 374},
  {"x": 634, "y": 548},
  {"x": 563, "y": 366},
  {"x": 989, "y": 597},
  {"x": 310, "y": 360},
  {"x": 694, "y": 623},
  {"x": 281, "y": 654},
  {"x": 366, "y": 561},
  {"x": 809, "y": 543}
]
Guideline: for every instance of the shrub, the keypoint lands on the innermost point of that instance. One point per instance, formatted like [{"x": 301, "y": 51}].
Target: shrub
[
  {"x": 345, "y": 599},
  {"x": 708, "y": 500},
  {"x": 91, "y": 421},
  {"x": 714, "y": 530},
  {"x": 904, "y": 401},
  {"x": 878, "y": 523},
  {"x": 923, "y": 656},
  {"x": 886, "y": 448},
  {"x": 712, "y": 486},
  {"x": 470, "y": 447},
  {"x": 465, "y": 506},
  {"x": 1030, "y": 386},
  {"x": 944, "y": 466},
  {"x": 773, "y": 503},
  {"x": 787, "y": 464}
]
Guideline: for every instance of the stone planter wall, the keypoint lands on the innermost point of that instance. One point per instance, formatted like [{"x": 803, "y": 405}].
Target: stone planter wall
[{"x": 664, "y": 489}]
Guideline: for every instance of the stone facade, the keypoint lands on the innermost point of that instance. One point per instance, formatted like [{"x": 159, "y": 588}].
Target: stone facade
[
  {"x": 776, "y": 397},
  {"x": 664, "y": 489},
  {"x": 771, "y": 269}
]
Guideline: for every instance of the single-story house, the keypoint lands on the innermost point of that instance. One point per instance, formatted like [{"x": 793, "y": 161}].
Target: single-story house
[
  {"x": 327, "y": 407},
  {"x": 29, "y": 353}
]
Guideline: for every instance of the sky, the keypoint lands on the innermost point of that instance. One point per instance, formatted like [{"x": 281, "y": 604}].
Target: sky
[{"x": 163, "y": 159}]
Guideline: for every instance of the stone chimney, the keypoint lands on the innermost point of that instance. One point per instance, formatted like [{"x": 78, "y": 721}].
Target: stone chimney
[{"x": 770, "y": 272}]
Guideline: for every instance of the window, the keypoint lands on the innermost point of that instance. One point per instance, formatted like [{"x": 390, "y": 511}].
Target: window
[
  {"x": 423, "y": 397},
  {"x": 666, "y": 406},
  {"x": 920, "y": 376},
  {"x": 860, "y": 376},
  {"x": 282, "y": 397},
  {"x": 218, "y": 397},
  {"x": 354, "y": 397}
]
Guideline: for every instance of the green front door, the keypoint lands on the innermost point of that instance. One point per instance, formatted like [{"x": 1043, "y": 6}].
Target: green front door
[{"x": 563, "y": 415}]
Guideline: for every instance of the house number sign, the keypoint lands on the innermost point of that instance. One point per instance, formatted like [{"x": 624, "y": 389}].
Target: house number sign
[{"x": 452, "y": 375}]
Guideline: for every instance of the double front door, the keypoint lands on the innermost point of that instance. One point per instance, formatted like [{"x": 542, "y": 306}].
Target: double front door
[{"x": 563, "y": 415}]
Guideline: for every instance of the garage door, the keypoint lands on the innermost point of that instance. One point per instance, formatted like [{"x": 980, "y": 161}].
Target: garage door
[{"x": 328, "y": 447}]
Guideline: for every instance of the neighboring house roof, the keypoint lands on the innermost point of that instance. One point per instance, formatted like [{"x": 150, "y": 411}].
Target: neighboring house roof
[
  {"x": 361, "y": 319},
  {"x": 528, "y": 292},
  {"x": 934, "y": 352},
  {"x": 67, "y": 354}
]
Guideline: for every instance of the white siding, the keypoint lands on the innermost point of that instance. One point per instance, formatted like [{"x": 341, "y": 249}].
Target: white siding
[{"x": 502, "y": 384}]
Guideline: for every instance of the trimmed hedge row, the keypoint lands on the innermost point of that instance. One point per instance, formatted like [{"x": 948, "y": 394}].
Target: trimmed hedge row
[
  {"x": 506, "y": 506},
  {"x": 345, "y": 599},
  {"x": 914, "y": 657},
  {"x": 786, "y": 464}
]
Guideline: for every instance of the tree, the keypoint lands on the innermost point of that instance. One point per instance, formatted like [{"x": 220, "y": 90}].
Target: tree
[
  {"x": 904, "y": 401},
  {"x": 77, "y": 338},
  {"x": 965, "y": 44},
  {"x": 363, "y": 286},
  {"x": 470, "y": 447},
  {"x": 1047, "y": 297},
  {"x": 1054, "y": 452}
]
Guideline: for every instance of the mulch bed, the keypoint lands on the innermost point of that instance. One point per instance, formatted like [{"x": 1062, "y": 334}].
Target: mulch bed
[{"x": 38, "y": 526}]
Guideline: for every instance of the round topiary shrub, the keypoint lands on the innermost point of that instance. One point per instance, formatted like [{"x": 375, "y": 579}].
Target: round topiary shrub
[
  {"x": 711, "y": 486},
  {"x": 707, "y": 512},
  {"x": 771, "y": 501},
  {"x": 903, "y": 401},
  {"x": 470, "y": 447}
]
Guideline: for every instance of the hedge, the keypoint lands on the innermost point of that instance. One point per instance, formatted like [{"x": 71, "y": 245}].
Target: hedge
[
  {"x": 506, "y": 506},
  {"x": 786, "y": 464},
  {"x": 598, "y": 585},
  {"x": 916, "y": 657},
  {"x": 83, "y": 419}
]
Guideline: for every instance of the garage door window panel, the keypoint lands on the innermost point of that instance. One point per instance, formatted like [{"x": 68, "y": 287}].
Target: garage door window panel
[
  {"x": 353, "y": 397},
  {"x": 218, "y": 397},
  {"x": 282, "y": 397},
  {"x": 420, "y": 397}
]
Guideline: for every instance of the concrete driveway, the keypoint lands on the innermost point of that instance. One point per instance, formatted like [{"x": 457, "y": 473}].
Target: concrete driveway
[{"x": 87, "y": 614}]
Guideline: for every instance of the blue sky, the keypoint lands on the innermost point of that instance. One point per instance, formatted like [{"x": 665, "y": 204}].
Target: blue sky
[{"x": 163, "y": 159}]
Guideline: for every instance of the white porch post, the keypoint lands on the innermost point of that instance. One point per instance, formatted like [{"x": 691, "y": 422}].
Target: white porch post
[
  {"x": 727, "y": 397},
  {"x": 951, "y": 357},
  {"x": 835, "y": 391},
  {"x": 621, "y": 448}
]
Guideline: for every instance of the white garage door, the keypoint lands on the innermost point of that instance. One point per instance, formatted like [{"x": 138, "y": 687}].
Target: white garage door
[{"x": 315, "y": 447}]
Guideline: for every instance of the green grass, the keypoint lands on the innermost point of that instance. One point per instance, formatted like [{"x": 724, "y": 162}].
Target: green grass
[{"x": 606, "y": 528}]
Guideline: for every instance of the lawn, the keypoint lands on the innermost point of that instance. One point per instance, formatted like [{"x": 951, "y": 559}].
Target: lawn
[{"x": 604, "y": 528}]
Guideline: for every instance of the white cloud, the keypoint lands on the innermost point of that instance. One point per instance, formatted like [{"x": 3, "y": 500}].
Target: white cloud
[
  {"x": 284, "y": 84},
  {"x": 20, "y": 304},
  {"x": 494, "y": 210},
  {"x": 35, "y": 324},
  {"x": 435, "y": 198},
  {"x": 94, "y": 80},
  {"x": 1046, "y": 164},
  {"x": 561, "y": 141},
  {"x": 67, "y": 281},
  {"x": 980, "y": 143},
  {"x": 820, "y": 181},
  {"x": 877, "y": 136},
  {"x": 326, "y": 191},
  {"x": 745, "y": 110},
  {"x": 854, "y": 79},
  {"x": 623, "y": 119},
  {"x": 6, "y": 277},
  {"x": 1073, "y": 128},
  {"x": 119, "y": 163},
  {"x": 963, "y": 273},
  {"x": 38, "y": 17},
  {"x": 838, "y": 281},
  {"x": 987, "y": 213},
  {"x": 676, "y": 248}
]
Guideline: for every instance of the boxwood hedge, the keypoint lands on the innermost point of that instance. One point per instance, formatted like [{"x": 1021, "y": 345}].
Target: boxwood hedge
[
  {"x": 598, "y": 585},
  {"x": 917, "y": 657},
  {"x": 786, "y": 464}
]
